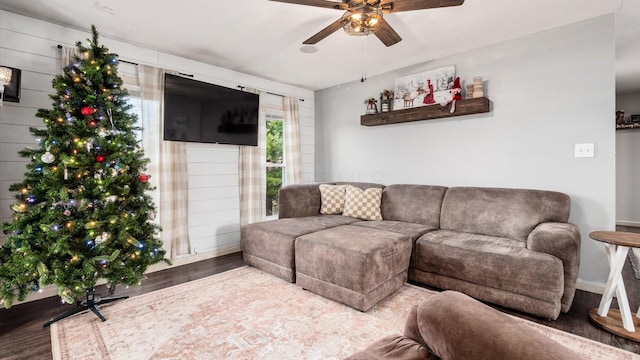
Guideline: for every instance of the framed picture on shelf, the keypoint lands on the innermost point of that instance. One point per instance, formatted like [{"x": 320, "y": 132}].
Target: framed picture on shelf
[
  {"x": 425, "y": 88},
  {"x": 635, "y": 118}
]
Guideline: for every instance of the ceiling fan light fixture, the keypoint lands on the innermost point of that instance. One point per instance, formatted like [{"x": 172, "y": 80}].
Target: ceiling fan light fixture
[{"x": 362, "y": 21}]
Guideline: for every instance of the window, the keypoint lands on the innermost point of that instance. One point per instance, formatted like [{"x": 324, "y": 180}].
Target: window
[{"x": 275, "y": 160}]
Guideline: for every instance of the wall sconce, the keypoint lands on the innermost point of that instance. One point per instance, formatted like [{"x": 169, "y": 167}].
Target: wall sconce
[{"x": 9, "y": 84}]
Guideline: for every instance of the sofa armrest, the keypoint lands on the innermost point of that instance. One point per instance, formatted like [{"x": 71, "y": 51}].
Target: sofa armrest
[
  {"x": 561, "y": 240},
  {"x": 299, "y": 200}
]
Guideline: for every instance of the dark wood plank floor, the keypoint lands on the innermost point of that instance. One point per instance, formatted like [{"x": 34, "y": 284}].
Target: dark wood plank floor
[{"x": 23, "y": 337}]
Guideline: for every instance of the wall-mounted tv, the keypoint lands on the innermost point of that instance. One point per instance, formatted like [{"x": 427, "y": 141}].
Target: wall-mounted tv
[{"x": 196, "y": 111}]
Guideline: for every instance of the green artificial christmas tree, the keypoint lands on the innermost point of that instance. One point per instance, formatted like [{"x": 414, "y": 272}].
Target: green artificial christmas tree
[{"x": 83, "y": 209}]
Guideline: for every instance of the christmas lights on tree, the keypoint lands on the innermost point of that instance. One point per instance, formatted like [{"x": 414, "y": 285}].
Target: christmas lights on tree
[{"x": 82, "y": 211}]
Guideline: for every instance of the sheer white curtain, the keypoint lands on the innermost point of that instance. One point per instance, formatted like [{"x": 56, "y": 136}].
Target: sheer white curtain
[
  {"x": 252, "y": 171},
  {"x": 168, "y": 165},
  {"x": 292, "y": 155}
]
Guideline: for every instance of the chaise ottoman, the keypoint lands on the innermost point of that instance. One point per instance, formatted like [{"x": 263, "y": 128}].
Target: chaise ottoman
[
  {"x": 353, "y": 265},
  {"x": 268, "y": 245}
]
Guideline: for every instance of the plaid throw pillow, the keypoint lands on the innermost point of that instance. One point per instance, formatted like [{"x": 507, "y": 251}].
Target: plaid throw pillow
[
  {"x": 332, "y": 197},
  {"x": 363, "y": 204}
]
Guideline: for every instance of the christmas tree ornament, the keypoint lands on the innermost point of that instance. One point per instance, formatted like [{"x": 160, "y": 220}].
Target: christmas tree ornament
[
  {"x": 100, "y": 158},
  {"x": 144, "y": 178},
  {"x": 47, "y": 157},
  {"x": 109, "y": 113},
  {"x": 67, "y": 212},
  {"x": 87, "y": 110},
  {"x": 102, "y": 238}
]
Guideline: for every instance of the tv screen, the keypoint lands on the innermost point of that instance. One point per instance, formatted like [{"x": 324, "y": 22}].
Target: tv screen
[{"x": 196, "y": 111}]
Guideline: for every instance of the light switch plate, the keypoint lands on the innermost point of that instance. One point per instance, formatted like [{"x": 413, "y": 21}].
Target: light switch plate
[{"x": 585, "y": 150}]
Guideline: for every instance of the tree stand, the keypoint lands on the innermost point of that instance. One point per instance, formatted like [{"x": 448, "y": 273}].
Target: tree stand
[{"x": 90, "y": 303}]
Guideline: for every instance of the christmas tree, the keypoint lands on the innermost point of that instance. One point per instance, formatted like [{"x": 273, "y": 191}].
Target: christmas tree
[{"x": 83, "y": 209}]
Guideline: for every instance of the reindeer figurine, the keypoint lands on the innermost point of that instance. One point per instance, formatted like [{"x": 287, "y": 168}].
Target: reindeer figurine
[{"x": 409, "y": 96}]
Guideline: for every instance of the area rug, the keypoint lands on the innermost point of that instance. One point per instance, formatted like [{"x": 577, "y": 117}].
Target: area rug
[{"x": 248, "y": 314}]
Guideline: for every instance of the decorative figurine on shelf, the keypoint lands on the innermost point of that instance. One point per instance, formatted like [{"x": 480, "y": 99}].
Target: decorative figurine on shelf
[
  {"x": 428, "y": 98},
  {"x": 456, "y": 94},
  {"x": 372, "y": 107},
  {"x": 477, "y": 87},
  {"x": 386, "y": 100},
  {"x": 619, "y": 117},
  {"x": 469, "y": 94}
]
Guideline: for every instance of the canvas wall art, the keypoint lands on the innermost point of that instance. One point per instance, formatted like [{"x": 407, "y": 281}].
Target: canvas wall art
[{"x": 425, "y": 88}]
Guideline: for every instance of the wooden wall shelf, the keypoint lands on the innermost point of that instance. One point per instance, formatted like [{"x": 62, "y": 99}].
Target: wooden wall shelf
[
  {"x": 627, "y": 126},
  {"x": 463, "y": 107}
]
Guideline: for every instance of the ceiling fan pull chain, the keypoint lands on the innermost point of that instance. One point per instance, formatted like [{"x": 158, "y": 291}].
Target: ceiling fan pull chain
[{"x": 364, "y": 73}]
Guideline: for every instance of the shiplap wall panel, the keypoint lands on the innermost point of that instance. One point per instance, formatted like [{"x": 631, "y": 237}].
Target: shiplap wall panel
[
  {"x": 35, "y": 99},
  {"x": 214, "y": 215}
]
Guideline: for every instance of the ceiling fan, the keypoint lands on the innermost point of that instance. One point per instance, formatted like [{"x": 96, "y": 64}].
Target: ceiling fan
[{"x": 364, "y": 17}]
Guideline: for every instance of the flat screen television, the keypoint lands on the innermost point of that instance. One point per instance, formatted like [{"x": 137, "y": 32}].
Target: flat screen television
[{"x": 196, "y": 111}]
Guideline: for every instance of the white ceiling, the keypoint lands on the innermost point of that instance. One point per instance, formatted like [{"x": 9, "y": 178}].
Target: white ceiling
[{"x": 264, "y": 38}]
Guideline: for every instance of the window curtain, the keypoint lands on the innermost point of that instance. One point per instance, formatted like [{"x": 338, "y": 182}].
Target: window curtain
[
  {"x": 292, "y": 152},
  {"x": 168, "y": 165},
  {"x": 67, "y": 55},
  {"x": 252, "y": 171}
]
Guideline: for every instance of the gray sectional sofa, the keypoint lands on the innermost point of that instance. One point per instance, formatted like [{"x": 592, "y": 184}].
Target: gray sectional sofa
[{"x": 510, "y": 247}]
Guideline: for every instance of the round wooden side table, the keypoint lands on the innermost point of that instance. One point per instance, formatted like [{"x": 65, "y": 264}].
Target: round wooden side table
[{"x": 619, "y": 322}]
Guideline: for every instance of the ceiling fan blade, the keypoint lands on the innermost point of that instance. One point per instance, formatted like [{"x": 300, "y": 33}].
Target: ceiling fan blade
[
  {"x": 325, "y": 32},
  {"x": 390, "y": 6},
  {"x": 387, "y": 35},
  {"x": 318, "y": 3}
]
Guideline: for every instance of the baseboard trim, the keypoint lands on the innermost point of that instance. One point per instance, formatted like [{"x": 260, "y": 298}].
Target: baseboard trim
[
  {"x": 628, "y": 223},
  {"x": 590, "y": 286},
  {"x": 51, "y": 290}
]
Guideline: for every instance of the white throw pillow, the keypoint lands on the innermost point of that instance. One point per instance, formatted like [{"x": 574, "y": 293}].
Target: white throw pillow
[
  {"x": 363, "y": 204},
  {"x": 332, "y": 197}
]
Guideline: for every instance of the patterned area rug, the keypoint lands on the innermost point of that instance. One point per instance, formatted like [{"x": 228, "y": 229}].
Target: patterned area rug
[{"x": 247, "y": 314}]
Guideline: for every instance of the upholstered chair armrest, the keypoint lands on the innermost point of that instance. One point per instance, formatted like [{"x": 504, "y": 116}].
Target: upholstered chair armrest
[
  {"x": 561, "y": 240},
  {"x": 299, "y": 200},
  {"x": 457, "y": 327}
]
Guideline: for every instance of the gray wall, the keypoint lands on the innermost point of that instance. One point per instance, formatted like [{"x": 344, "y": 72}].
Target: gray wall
[
  {"x": 549, "y": 91},
  {"x": 628, "y": 164}
]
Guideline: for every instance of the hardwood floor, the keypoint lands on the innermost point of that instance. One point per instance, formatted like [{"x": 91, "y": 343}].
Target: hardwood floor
[{"x": 23, "y": 337}]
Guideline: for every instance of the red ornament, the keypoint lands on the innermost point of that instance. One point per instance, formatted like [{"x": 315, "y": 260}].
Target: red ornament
[
  {"x": 144, "y": 178},
  {"x": 100, "y": 158},
  {"x": 87, "y": 110}
]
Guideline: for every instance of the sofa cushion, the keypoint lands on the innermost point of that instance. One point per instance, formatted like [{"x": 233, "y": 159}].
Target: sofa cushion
[
  {"x": 413, "y": 230},
  {"x": 332, "y": 199},
  {"x": 418, "y": 204},
  {"x": 509, "y": 213},
  {"x": 493, "y": 262},
  {"x": 274, "y": 240},
  {"x": 363, "y": 204},
  {"x": 456, "y": 327},
  {"x": 299, "y": 200}
]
